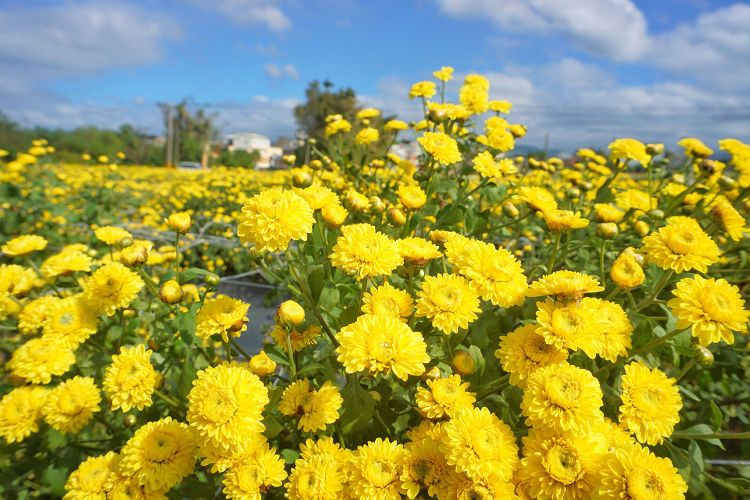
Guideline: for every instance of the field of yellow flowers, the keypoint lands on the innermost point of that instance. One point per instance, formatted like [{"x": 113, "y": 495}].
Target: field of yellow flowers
[{"x": 474, "y": 325}]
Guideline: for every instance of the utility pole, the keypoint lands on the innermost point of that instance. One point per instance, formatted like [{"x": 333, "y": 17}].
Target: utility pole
[{"x": 170, "y": 135}]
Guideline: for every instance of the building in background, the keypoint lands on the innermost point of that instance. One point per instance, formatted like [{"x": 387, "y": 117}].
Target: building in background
[{"x": 270, "y": 156}]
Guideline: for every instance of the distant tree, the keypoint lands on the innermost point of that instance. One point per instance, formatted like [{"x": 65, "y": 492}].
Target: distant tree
[
  {"x": 189, "y": 135},
  {"x": 322, "y": 100},
  {"x": 239, "y": 158}
]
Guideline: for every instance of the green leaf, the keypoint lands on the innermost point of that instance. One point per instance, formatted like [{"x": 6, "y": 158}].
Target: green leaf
[
  {"x": 717, "y": 417},
  {"x": 290, "y": 456},
  {"x": 187, "y": 375},
  {"x": 273, "y": 427},
  {"x": 316, "y": 280},
  {"x": 329, "y": 298},
  {"x": 478, "y": 358},
  {"x": 55, "y": 478},
  {"x": 192, "y": 273},
  {"x": 357, "y": 410},
  {"x": 695, "y": 456}
]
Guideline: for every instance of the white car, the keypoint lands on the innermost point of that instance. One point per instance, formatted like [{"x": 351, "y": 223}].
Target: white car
[{"x": 189, "y": 165}]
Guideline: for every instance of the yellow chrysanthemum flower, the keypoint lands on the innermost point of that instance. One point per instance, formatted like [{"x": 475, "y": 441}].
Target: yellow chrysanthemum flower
[
  {"x": 446, "y": 396},
  {"x": 694, "y": 148},
  {"x": 23, "y": 245},
  {"x": 70, "y": 321},
  {"x": 273, "y": 218},
  {"x": 537, "y": 198},
  {"x": 314, "y": 409},
  {"x": 425, "y": 467},
  {"x": 494, "y": 272},
  {"x": 630, "y": 149},
  {"x": 130, "y": 380},
  {"x": 376, "y": 470},
  {"x": 412, "y": 197},
  {"x": 160, "y": 454},
  {"x": 111, "y": 235},
  {"x": 562, "y": 398},
  {"x": 16, "y": 280},
  {"x": 564, "y": 285},
  {"x": 449, "y": 301},
  {"x": 223, "y": 316},
  {"x": 605, "y": 212},
  {"x": 72, "y": 404},
  {"x": 225, "y": 406},
  {"x": 613, "y": 325},
  {"x": 561, "y": 466},
  {"x": 442, "y": 147},
  {"x": 337, "y": 126},
  {"x": 495, "y": 171},
  {"x": 681, "y": 245},
  {"x": 626, "y": 271},
  {"x": 568, "y": 326},
  {"x": 121, "y": 486},
  {"x": 713, "y": 308},
  {"x": 730, "y": 219},
  {"x": 367, "y": 135},
  {"x": 89, "y": 480},
  {"x": 635, "y": 199},
  {"x": 634, "y": 472},
  {"x": 379, "y": 343},
  {"x": 70, "y": 259},
  {"x": 559, "y": 221},
  {"x": 251, "y": 478},
  {"x": 444, "y": 74},
  {"x": 460, "y": 486},
  {"x": 318, "y": 196},
  {"x": 481, "y": 445},
  {"x": 389, "y": 301},
  {"x": 363, "y": 252},
  {"x": 35, "y": 314},
  {"x": 651, "y": 403},
  {"x": 422, "y": 89},
  {"x": 39, "y": 359},
  {"x": 20, "y": 412},
  {"x": 300, "y": 338},
  {"x": 316, "y": 478},
  {"x": 112, "y": 287},
  {"x": 220, "y": 459},
  {"x": 417, "y": 251},
  {"x": 523, "y": 351}
]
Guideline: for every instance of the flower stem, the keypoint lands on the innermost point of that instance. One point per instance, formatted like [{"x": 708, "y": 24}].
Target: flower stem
[{"x": 551, "y": 263}]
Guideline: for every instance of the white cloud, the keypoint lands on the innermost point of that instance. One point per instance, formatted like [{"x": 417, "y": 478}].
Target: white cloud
[
  {"x": 611, "y": 28},
  {"x": 714, "y": 49},
  {"x": 75, "y": 37},
  {"x": 279, "y": 71},
  {"x": 249, "y": 12}
]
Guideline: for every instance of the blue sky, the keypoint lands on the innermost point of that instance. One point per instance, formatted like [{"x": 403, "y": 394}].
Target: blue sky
[{"x": 579, "y": 71}]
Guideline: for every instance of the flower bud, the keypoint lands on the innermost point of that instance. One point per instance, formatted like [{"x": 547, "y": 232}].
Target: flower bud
[
  {"x": 703, "y": 355},
  {"x": 431, "y": 374},
  {"x": 510, "y": 210},
  {"x": 642, "y": 228},
  {"x": 290, "y": 314},
  {"x": 179, "y": 222},
  {"x": 607, "y": 230},
  {"x": 727, "y": 182},
  {"x": 134, "y": 255},
  {"x": 396, "y": 217},
  {"x": 356, "y": 202},
  {"x": 262, "y": 365},
  {"x": 463, "y": 362},
  {"x": 129, "y": 420},
  {"x": 421, "y": 175},
  {"x": 301, "y": 179},
  {"x": 626, "y": 271},
  {"x": 212, "y": 279},
  {"x": 585, "y": 186},
  {"x": 125, "y": 242},
  {"x": 376, "y": 205},
  {"x": 573, "y": 193},
  {"x": 656, "y": 214},
  {"x": 171, "y": 292},
  {"x": 376, "y": 396}
]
